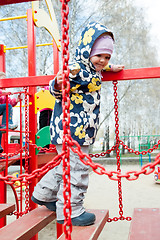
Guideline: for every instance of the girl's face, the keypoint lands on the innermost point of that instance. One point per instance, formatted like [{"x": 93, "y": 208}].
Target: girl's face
[{"x": 100, "y": 61}]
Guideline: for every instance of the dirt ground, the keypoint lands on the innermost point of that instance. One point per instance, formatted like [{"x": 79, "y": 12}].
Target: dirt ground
[{"x": 103, "y": 194}]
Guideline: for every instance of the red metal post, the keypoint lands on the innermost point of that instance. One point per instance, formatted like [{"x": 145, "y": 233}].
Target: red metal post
[
  {"x": 2, "y": 69},
  {"x": 59, "y": 230},
  {"x": 32, "y": 116},
  {"x": 2, "y": 184},
  {"x": 2, "y": 58},
  {"x": 32, "y": 90}
]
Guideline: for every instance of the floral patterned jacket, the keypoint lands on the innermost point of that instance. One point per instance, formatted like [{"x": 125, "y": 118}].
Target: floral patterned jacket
[{"x": 85, "y": 89}]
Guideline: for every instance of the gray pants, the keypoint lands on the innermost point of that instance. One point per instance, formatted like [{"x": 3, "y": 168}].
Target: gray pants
[{"x": 50, "y": 187}]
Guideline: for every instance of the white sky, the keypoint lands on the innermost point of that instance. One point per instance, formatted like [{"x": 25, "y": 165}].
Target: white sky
[{"x": 152, "y": 11}]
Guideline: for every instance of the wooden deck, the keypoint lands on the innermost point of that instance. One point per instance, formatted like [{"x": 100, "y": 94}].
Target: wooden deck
[{"x": 145, "y": 224}]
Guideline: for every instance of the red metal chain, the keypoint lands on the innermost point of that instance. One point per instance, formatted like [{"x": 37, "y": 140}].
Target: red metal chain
[
  {"x": 117, "y": 148},
  {"x": 121, "y": 217},
  {"x": 66, "y": 121},
  {"x": 26, "y": 148},
  {"x": 150, "y": 150},
  {"x": 97, "y": 168},
  {"x": 102, "y": 154}
]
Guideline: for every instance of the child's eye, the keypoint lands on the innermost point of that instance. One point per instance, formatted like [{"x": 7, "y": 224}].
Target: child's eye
[{"x": 108, "y": 58}]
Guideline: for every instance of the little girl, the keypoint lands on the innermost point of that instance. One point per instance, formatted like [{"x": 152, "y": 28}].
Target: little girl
[{"x": 92, "y": 56}]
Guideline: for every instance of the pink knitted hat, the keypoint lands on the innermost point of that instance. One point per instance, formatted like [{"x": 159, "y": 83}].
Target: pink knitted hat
[{"x": 102, "y": 45}]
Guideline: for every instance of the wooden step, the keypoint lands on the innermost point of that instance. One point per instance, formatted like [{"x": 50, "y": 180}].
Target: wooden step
[
  {"x": 145, "y": 224},
  {"x": 27, "y": 226},
  {"x": 15, "y": 160},
  {"x": 45, "y": 158},
  {"x": 11, "y": 161},
  {"x": 6, "y": 209},
  {"x": 89, "y": 232}
]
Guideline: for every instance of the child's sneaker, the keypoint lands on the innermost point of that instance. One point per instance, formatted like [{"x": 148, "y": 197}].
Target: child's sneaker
[
  {"x": 10, "y": 126},
  {"x": 1, "y": 149},
  {"x": 85, "y": 219},
  {"x": 50, "y": 205}
]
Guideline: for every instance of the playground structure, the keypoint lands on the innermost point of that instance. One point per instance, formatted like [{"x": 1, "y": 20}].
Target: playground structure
[
  {"x": 28, "y": 157},
  {"x": 33, "y": 104}
]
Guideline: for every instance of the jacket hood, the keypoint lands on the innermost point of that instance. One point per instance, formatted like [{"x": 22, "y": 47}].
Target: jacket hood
[{"x": 87, "y": 39}]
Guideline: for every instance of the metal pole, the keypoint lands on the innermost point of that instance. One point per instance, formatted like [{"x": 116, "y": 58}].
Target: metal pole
[{"x": 32, "y": 116}]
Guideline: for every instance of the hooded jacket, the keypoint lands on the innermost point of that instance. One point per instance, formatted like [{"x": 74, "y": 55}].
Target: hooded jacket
[{"x": 85, "y": 89}]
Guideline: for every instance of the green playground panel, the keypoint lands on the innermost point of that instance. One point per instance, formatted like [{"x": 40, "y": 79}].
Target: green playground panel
[{"x": 43, "y": 137}]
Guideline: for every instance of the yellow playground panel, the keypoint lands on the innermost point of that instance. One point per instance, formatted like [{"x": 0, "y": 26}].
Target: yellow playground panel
[{"x": 44, "y": 100}]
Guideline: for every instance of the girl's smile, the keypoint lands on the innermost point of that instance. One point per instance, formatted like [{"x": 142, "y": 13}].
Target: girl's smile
[{"x": 100, "y": 61}]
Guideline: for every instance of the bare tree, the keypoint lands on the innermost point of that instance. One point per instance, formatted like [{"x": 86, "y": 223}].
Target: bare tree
[{"x": 133, "y": 48}]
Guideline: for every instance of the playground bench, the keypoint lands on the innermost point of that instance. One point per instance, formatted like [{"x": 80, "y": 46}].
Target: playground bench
[
  {"x": 27, "y": 226},
  {"x": 6, "y": 209},
  {"x": 145, "y": 224},
  {"x": 90, "y": 232}
]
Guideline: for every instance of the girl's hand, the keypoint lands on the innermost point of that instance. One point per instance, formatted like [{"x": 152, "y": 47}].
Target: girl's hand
[
  {"x": 58, "y": 81},
  {"x": 117, "y": 68},
  {"x": 19, "y": 98}
]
